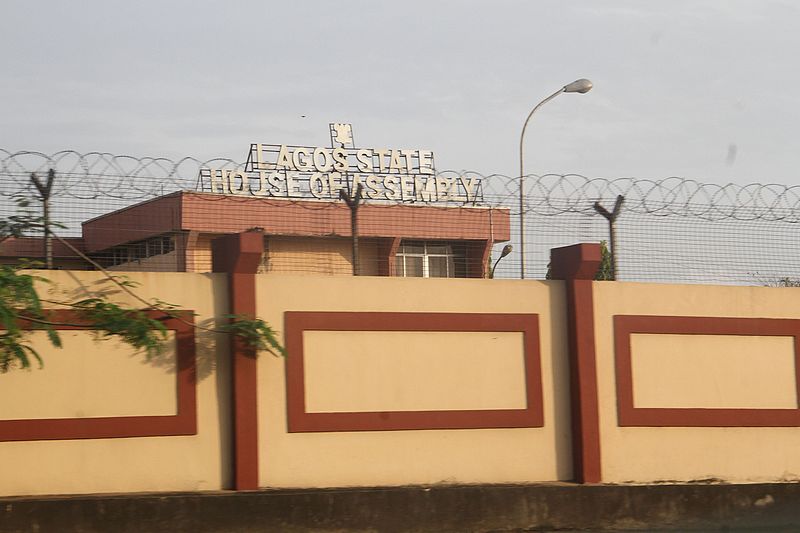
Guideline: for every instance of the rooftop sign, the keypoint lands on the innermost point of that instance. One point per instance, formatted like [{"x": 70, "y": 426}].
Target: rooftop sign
[{"x": 303, "y": 172}]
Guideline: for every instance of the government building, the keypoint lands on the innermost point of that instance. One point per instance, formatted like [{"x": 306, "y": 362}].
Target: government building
[{"x": 410, "y": 222}]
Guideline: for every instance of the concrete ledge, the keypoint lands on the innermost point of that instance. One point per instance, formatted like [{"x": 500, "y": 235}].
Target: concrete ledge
[{"x": 486, "y": 508}]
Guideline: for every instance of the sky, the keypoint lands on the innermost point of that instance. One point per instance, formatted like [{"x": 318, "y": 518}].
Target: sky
[{"x": 696, "y": 89}]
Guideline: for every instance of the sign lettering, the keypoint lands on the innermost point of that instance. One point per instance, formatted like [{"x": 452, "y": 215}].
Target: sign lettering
[{"x": 298, "y": 172}]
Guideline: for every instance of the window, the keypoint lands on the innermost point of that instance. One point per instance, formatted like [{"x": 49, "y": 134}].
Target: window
[
  {"x": 119, "y": 255},
  {"x": 425, "y": 260},
  {"x": 159, "y": 245},
  {"x": 139, "y": 250}
]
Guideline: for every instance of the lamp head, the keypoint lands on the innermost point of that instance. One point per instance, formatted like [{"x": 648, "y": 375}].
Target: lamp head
[
  {"x": 506, "y": 250},
  {"x": 578, "y": 86}
]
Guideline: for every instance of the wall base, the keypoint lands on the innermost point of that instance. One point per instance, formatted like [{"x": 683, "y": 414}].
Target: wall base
[{"x": 479, "y": 508}]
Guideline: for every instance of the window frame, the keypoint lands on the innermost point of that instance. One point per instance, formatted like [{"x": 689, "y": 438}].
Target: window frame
[{"x": 401, "y": 267}]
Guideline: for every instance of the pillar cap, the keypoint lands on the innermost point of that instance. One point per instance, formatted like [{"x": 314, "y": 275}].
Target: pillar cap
[{"x": 577, "y": 261}]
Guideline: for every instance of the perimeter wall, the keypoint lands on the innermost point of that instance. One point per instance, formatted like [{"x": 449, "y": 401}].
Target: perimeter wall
[{"x": 392, "y": 381}]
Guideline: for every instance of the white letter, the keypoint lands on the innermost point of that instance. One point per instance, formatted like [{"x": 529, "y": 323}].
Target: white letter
[
  {"x": 276, "y": 183},
  {"x": 262, "y": 184},
  {"x": 340, "y": 159},
  {"x": 394, "y": 161},
  {"x": 243, "y": 189},
  {"x": 427, "y": 192},
  {"x": 443, "y": 186},
  {"x": 470, "y": 186},
  {"x": 425, "y": 161},
  {"x": 304, "y": 163},
  {"x": 292, "y": 189},
  {"x": 381, "y": 161},
  {"x": 372, "y": 186},
  {"x": 357, "y": 180},
  {"x": 392, "y": 192},
  {"x": 284, "y": 160},
  {"x": 409, "y": 162},
  {"x": 364, "y": 158},
  {"x": 317, "y": 185},
  {"x": 218, "y": 180},
  {"x": 326, "y": 164},
  {"x": 407, "y": 188},
  {"x": 335, "y": 184},
  {"x": 260, "y": 163}
]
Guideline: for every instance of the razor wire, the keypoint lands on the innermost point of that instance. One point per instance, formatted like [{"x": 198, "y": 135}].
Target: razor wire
[
  {"x": 94, "y": 175},
  {"x": 672, "y": 229}
]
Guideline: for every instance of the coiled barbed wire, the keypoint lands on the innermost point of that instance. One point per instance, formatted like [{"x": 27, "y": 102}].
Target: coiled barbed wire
[{"x": 96, "y": 175}]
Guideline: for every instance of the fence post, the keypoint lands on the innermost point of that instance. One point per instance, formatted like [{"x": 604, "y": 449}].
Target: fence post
[
  {"x": 44, "y": 195},
  {"x": 239, "y": 255},
  {"x": 577, "y": 266},
  {"x": 612, "y": 235},
  {"x": 352, "y": 203}
]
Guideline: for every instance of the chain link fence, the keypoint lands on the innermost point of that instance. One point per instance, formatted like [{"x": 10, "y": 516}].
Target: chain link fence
[{"x": 671, "y": 230}]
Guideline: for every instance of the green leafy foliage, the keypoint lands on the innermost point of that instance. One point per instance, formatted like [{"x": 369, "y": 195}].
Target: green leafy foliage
[
  {"x": 18, "y": 297},
  {"x": 256, "y": 334},
  {"x": 20, "y": 302},
  {"x": 135, "y": 327},
  {"x": 21, "y": 308},
  {"x": 23, "y": 222},
  {"x": 21, "y": 312},
  {"x": 606, "y": 271}
]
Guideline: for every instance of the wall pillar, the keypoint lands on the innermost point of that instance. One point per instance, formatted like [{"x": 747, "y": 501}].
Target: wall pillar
[
  {"x": 387, "y": 252},
  {"x": 577, "y": 266},
  {"x": 186, "y": 261},
  {"x": 481, "y": 270},
  {"x": 239, "y": 256}
]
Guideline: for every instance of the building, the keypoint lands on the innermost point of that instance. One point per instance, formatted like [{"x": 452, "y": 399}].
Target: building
[
  {"x": 174, "y": 233},
  {"x": 413, "y": 221}
]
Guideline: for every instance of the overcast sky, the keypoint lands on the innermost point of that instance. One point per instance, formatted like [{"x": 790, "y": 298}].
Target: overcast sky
[{"x": 699, "y": 89}]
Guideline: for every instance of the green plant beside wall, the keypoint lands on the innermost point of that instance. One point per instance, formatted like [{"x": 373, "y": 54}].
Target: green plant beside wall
[
  {"x": 606, "y": 271},
  {"x": 22, "y": 309}
]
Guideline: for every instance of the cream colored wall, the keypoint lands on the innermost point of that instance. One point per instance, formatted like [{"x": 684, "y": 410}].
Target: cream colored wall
[
  {"x": 201, "y": 254},
  {"x": 123, "y": 384},
  {"x": 368, "y": 253},
  {"x": 703, "y": 371},
  {"x": 438, "y": 371},
  {"x": 329, "y": 255},
  {"x": 413, "y": 371},
  {"x": 713, "y": 371},
  {"x": 298, "y": 255},
  {"x": 88, "y": 377},
  {"x": 422, "y": 456}
]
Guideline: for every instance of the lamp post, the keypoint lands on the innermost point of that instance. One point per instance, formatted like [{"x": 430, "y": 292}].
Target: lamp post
[
  {"x": 506, "y": 250},
  {"x": 578, "y": 86}
]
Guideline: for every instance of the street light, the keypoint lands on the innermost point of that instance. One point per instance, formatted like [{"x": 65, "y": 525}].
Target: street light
[
  {"x": 578, "y": 86},
  {"x": 506, "y": 250}
]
